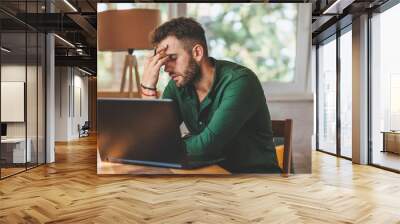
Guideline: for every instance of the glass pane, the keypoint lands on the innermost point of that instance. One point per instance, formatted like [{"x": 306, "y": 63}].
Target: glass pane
[
  {"x": 32, "y": 88},
  {"x": 31, "y": 98},
  {"x": 263, "y": 34},
  {"x": 13, "y": 86},
  {"x": 386, "y": 89},
  {"x": 41, "y": 99},
  {"x": 77, "y": 118},
  {"x": 327, "y": 97},
  {"x": 346, "y": 94}
]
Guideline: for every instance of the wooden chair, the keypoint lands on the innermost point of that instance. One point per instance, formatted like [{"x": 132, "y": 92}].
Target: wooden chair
[
  {"x": 283, "y": 129},
  {"x": 83, "y": 130}
]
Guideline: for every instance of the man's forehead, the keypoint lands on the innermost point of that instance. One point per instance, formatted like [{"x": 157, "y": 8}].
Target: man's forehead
[{"x": 173, "y": 43}]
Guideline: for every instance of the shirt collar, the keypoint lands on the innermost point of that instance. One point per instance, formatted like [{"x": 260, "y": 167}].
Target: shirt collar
[{"x": 216, "y": 75}]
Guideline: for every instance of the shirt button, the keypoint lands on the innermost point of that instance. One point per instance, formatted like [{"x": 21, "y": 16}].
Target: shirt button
[{"x": 200, "y": 123}]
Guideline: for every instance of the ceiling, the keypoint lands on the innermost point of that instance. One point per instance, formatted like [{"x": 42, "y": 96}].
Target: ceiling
[
  {"x": 78, "y": 27},
  {"x": 76, "y": 22},
  {"x": 332, "y": 15}
]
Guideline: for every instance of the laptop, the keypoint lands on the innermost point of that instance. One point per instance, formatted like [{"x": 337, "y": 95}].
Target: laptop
[
  {"x": 3, "y": 131},
  {"x": 143, "y": 132}
]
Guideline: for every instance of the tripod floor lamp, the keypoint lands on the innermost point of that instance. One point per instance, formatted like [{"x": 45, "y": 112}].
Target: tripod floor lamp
[{"x": 127, "y": 30}]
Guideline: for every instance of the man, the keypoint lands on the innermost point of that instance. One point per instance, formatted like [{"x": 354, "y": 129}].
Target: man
[{"x": 221, "y": 103}]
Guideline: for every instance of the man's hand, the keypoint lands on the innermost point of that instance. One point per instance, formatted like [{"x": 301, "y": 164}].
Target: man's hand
[{"x": 152, "y": 67}]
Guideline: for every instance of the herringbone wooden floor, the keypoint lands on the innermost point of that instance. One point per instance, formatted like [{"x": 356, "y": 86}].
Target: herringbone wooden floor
[{"x": 70, "y": 191}]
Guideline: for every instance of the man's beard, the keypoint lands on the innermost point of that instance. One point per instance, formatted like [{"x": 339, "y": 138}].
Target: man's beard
[{"x": 191, "y": 74}]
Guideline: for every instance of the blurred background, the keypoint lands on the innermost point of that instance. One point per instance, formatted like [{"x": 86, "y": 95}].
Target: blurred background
[{"x": 260, "y": 36}]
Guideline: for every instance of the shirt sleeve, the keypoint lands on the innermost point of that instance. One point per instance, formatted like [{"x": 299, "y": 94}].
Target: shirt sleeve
[{"x": 239, "y": 102}]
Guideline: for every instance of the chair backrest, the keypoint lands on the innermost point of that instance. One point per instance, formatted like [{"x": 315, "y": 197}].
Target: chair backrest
[
  {"x": 86, "y": 125},
  {"x": 283, "y": 129}
]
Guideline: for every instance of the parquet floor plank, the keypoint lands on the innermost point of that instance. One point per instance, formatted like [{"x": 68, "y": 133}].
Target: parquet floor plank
[{"x": 70, "y": 191}]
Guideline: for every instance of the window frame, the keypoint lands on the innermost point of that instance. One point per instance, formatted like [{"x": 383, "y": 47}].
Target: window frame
[
  {"x": 371, "y": 14},
  {"x": 27, "y": 29},
  {"x": 334, "y": 37}
]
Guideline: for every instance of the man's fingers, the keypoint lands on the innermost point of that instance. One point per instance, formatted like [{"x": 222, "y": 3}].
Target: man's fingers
[
  {"x": 158, "y": 53},
  {"x": 152, "y": 57},
  {"x": 158, "y": 57},
  {"x": 161, "y": 49},
  {"x": 162, "y": 61}
]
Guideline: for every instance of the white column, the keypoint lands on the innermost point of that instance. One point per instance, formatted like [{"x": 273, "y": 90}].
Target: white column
[
  {"x": 50, "y": 99},
  {"x": 360, "y": 90}
]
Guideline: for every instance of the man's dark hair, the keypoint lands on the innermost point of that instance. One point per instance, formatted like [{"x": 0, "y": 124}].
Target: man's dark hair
[{"x": 184, "y": 29}]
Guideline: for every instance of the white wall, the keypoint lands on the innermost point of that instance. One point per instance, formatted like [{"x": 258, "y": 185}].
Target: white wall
[
  {"x": 14, "y": 73},
  {"x": 17, "y": 73},
  {"x": 80, "y": 105},
  {"x": 70, "y": 94},
  {"x": 33, "y": 127},
  {"x": 302, "y": 114},
  {"x": 62, "y": 81}
]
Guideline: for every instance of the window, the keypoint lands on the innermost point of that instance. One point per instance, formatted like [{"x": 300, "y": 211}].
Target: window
[
  {"x": 275, "y": 46},
  {"x": 260, "y": 36},
  {"x": 385, "y": 86},
  {"x": 334, "y": 94},
  {"x": 394, "y": 101},
  {"x": 327, "y": 97},
  {"x": 346, "y": 94},
  {"x": 22, "y": 65}
]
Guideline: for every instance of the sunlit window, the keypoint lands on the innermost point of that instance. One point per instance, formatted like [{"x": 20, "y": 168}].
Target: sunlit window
[
  {"x": 259, "y": 36},
  {"x": 385, "y": 87},
  {"x": 346, "y": 94},
  {"x": 327, "y": 97}
]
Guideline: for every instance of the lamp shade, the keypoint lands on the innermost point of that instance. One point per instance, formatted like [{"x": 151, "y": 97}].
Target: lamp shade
[{"x": 120, "y": 30}]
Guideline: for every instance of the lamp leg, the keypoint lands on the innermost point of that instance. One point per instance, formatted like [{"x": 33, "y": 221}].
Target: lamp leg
[
  {"x": 130, "y": 64},
  {"x": 130, "y": 85},
  {"x": 135, "y": 65},
  {"x": 123, "y": 78}
]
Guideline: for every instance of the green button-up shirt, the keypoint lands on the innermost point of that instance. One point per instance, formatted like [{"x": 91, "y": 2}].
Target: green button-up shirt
[{"x": 232, "y": 121}]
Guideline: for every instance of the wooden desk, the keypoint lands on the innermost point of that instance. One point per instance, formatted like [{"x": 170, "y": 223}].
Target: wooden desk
[
  {"x": 13, "y": 150},
  {"x": 391, "y": 141},
  {"x": 119, "y": 168}
]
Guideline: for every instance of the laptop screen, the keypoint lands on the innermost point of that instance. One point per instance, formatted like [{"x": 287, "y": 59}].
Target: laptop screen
[{"x": 3, "y": 129}]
